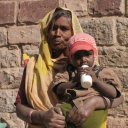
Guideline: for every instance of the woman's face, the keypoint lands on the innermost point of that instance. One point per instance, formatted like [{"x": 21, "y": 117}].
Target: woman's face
[{"x": 60, "y": 33}]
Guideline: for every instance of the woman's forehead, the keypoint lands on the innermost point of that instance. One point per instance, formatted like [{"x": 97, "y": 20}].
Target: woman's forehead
[{"x": 62, "y": 21}]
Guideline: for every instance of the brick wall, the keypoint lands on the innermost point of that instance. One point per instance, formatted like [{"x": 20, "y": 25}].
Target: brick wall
[{"x": 106, "y": 20}]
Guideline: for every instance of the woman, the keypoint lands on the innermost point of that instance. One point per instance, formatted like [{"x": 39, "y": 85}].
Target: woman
[{"x": 35, "y": 100}]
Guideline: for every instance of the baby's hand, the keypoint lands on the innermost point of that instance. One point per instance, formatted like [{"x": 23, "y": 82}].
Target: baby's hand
[{"x": 90, "y": 72}]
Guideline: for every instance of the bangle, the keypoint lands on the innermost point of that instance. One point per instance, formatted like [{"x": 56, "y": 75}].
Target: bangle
[
  {"x": 105, "y": 102},
  {"x": 29, "y": 116}
]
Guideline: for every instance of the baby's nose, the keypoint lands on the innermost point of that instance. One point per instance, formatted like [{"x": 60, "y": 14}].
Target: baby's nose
[{"x": 84, "y": 58}]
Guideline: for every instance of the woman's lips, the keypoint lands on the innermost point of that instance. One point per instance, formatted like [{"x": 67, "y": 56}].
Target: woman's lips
[{"x": 57, "y": 42}]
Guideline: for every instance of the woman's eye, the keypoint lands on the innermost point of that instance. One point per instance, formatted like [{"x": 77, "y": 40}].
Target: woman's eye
[
  {"x": 63, "y": 28},
  {"x": 54, "y": 28}
]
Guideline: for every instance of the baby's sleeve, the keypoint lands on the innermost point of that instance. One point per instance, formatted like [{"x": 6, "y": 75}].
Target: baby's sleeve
[
  {"x": 110, "y": 77},
  {"x": 59, "y": 78}
]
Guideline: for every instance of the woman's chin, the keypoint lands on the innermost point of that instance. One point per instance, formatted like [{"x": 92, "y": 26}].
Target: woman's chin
[{"x": 59, "y": 47}]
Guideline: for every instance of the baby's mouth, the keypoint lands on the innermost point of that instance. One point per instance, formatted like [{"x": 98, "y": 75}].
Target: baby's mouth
[{"x": 84, "y": 64}]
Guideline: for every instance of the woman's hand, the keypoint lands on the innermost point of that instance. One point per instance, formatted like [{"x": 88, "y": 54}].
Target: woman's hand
[
  {"x": 52, "y": 118},
  {"x": 80, "y": 113}
]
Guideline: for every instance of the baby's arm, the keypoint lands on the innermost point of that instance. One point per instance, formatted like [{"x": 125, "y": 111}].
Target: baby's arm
[
  {"x": 61, "y": 83},
  {"x": 61, "y": 88},
  {"x": 106, "y": 83}
]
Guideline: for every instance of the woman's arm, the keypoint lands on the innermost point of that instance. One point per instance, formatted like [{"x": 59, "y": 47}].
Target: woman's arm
[
  {"x": 49, "y": 119},
  {"x": 83, "y": 110},
  {"x": 23, "y": 111},
  {"x": 112, "y": 103}
]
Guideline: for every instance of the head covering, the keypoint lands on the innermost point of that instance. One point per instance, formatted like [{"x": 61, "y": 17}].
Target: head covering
[
  {"x": 82, "y": 41},
  {"x": 39, "y": 72}
]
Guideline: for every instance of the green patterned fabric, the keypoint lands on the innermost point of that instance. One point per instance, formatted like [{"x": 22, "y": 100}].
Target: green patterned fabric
[{"x": 96, "y": 120}]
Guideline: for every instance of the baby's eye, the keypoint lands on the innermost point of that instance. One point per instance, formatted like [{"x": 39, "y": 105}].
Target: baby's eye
[
  {"x": 82, "y": 53},
  {"x": 87, "y": 53},
  {"x": 77, "y": 56}
]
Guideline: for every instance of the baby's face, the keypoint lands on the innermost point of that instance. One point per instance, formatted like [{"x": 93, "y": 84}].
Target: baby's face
[{"x": 83, "y": 58}]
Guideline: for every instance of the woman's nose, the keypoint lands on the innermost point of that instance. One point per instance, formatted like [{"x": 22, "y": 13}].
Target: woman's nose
[{"x": 58, "y": 32}]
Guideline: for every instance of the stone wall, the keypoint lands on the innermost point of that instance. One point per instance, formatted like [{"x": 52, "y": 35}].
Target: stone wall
[{"x": 106, "y": 20}]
